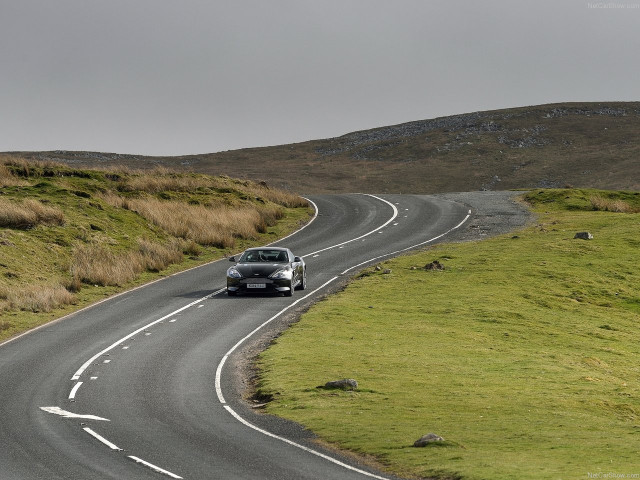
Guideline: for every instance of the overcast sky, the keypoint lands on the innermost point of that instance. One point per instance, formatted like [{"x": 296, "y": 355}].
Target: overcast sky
[{"x": 164, "y": 77}]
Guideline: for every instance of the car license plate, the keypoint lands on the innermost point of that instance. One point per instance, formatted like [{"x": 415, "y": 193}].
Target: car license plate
[{"x": 256, "y": 285}]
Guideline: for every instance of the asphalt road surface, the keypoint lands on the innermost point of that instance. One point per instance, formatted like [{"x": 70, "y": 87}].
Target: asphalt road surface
[{"x": 145, "y": 385}]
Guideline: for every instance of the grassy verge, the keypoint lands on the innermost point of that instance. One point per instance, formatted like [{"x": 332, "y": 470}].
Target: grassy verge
[
  {"x": 70, "y": 237},
  {"x": 523, "y": 353}
]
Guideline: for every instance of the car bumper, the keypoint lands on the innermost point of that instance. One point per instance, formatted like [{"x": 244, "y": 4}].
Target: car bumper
[{"x": 258, "y": 285}]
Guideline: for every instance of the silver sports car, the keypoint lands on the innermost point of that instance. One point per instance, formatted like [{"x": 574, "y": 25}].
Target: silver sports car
[{"x": 266, "y": 269}]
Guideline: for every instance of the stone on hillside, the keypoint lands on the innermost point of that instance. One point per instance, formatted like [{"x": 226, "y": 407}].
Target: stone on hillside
[
  {"x": 344, "y": 384},
  {"x": 427, "y": 439},
  {"x": 583, "y": 236},
  {"x": 435, "y": 265}
]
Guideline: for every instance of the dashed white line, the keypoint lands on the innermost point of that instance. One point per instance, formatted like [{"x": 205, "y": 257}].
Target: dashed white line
[
  {"x": 101, "y": 439},
  {"x": 153, "y": 467},
  {"x": 86, "y": 364}
]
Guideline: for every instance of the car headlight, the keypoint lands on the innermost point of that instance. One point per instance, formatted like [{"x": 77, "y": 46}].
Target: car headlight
[
  {"x": 282, "y": 273},
  {"x": 234, "y": 273}
]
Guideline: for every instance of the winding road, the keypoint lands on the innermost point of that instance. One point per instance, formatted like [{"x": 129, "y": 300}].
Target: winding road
[{"x": 144, "y": 385}]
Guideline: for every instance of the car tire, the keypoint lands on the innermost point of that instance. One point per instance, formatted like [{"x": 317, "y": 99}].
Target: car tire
[
  {"x": 303, "y": 282},
  {"x": 230, "y": 293},
  {"x": 289, "y": 293}
]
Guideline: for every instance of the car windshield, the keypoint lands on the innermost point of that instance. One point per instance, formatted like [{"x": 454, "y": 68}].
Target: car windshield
[{"x": 268, "y": 256}]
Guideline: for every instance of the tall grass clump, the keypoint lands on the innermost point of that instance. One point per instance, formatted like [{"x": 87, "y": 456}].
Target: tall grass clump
[
  {"x": 35, "y": 298},
  {"x": 97, "y": 265},
  {"x": 207, "y": 226},
  {"x": 611, "y": 205},
  {"x": 8, "y": 179},
  {"x": 28, "y": 213}
]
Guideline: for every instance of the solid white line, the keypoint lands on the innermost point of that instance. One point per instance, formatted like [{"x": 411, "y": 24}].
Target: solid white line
[
  {"x": 74, "y": 390},
  {"x": 102, "y": 439},
  {"x": 411, "y": 247},
  {"x": 153, "y": 467},
  {"x": 302, "y": 447},
  {"x": 395, "y": 214},
  {"x": 65, "y": 414},
  {"x": 243, "y": 339}
]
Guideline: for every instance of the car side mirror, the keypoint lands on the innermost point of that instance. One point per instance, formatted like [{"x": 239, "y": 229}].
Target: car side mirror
[
  {"x": 297, "y": 259},
  {"x": 232, "y": 259}
]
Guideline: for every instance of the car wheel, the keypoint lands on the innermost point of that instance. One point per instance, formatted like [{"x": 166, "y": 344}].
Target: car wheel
[
  {"x": 303, "y": 282},
  {"x": 230, "y": 293},
  {"x": 289, "y": 293}
]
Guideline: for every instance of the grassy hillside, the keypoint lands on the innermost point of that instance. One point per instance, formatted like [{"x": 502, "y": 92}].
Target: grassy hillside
[
  {"x": 522, "y": 353},
  {"x": 587, "y": 145},
  {"x": 71, "y": 236}
]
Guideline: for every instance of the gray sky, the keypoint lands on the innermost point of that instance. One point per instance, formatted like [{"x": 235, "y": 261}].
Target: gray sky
[{"x": 163, "y": 77}]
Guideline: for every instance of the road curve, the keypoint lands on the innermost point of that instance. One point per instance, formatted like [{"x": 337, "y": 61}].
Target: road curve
[{"x": 140, "y": 386}]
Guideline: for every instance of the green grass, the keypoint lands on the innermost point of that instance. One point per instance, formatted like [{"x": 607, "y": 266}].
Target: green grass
[
  {"x": 524, "y": 353},
  {"x": 42, "y": 257}
]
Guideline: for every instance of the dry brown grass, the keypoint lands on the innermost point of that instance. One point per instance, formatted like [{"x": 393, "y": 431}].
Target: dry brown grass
[
  {"x": 156, "y": 257},
  {"x": 28, "y": 214},
  {"x": 611, "y": 205},
  {"x": 162, "y": 180},
  {"x": 97, "y": 265},
  {"x": 35, "y": 298},
  {"x": 23, "y": 167},
  {"x": 206, "y": 226},
  {"x": 8, "y": 179}
]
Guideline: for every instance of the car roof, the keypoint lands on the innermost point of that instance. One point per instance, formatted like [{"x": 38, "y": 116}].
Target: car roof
[{"x": 266, "y": 248}]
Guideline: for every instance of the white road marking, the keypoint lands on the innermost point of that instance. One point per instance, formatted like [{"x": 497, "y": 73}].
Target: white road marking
[
  {"x": 395, "y": 214},
  {"x": 106, "y": 361},
  {"x": 411, "y": 247},
  {"x": 102, "y": 439},
  {"x": 86, "y": 364},
  {"x": 74, "y": 390},
  {"x": 66, "y": 414},
  {"x": 153, "y": 467}
]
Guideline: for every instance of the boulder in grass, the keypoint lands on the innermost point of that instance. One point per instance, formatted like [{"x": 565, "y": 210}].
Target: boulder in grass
[
  {"x": 428, "y": 439},
  {"x": 583, "y": 236},
  {"x": 344, "y": 384},
  {"x": 435, "y": 265}
]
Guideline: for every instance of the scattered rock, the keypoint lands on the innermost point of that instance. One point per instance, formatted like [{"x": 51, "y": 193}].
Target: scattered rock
[
  {"x": 344, "y": 384},
  {"x": 377, "y": 268},
  {"x": 387, "y": 271},
  {"x": 435, "y": 265},
  {"x": 583, "y": 236},
  {"x": 427, "y": 439}
]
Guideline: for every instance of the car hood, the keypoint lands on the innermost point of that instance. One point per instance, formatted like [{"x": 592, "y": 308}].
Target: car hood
[{"x": 258, "y": 269}]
